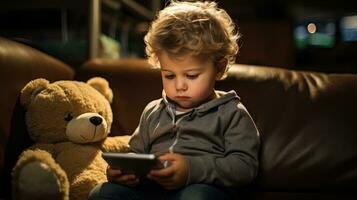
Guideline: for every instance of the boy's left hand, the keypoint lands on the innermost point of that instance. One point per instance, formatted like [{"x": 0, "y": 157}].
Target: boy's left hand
[{"x": 175, "y": 175}]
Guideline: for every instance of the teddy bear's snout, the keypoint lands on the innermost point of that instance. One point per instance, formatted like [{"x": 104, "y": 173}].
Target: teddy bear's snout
[
  {"x": 96, "y": 120},
  {"x": 87, "y": 127}
]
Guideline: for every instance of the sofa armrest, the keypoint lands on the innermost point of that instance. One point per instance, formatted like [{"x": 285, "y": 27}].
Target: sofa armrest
[{"x": 20, "y": 64}]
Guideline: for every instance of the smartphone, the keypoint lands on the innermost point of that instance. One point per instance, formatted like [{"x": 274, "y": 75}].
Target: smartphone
[{"x": 138, "y": 164}]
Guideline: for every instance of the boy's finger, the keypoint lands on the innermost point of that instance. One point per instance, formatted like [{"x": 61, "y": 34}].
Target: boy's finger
[
  {"x": 132, "y": 182},
  {"x": 165, "y": 172},
  {"x": 126, "y": 178},
  {"x": 115, "y": 173},
  {"x": 168, "y": 156},
  {"x": 159, "y": 179}
]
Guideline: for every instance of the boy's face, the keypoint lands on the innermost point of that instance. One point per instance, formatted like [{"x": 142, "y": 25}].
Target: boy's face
[{"x": 188, "y": 81}]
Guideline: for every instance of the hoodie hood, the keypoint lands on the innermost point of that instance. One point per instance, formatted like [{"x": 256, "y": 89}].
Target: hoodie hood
[{"x": 222, "y": 97}]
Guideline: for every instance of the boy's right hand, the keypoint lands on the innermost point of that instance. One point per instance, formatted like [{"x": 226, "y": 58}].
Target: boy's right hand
[{"x": 115, "y": 175}]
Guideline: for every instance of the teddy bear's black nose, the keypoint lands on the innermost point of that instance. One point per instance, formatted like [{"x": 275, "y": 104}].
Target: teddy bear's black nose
[{"x": 95, "y": 120}]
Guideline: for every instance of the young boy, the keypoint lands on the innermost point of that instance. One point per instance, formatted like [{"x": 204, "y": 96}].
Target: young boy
[{"x": 206, "y": 138}]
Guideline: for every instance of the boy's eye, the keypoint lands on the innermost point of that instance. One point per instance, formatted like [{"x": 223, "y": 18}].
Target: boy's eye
[
  {"x": 170, "y": 76},
  {"x": 192, "y": 76}
]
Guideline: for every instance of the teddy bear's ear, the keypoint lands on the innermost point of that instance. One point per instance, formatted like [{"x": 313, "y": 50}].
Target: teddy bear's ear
[
  {"x": 102, "y": 86},
  {"x": 31, "y": 89}
]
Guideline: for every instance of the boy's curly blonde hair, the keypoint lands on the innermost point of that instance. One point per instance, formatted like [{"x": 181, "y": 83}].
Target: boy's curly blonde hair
[{"x": 192, "y": 28}]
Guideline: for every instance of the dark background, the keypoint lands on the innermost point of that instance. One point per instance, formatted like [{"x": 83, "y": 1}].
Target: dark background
[{"x": 268, "y": 29}]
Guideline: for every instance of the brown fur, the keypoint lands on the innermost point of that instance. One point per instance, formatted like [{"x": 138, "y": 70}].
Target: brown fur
[{"x": 77, "y": 165}]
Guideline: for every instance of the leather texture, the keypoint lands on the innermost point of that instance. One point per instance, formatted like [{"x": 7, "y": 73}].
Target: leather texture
[
  {"x": 20, "y": 64},
  {"x": 307, "y": 120}
]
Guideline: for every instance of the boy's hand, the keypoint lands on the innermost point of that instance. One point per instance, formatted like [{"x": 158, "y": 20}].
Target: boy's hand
[
  {"x": 175, "y": 175},
  {"x": 115, "y": 175}
]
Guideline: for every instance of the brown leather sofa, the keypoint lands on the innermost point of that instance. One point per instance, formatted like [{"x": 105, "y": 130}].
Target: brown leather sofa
[
  {"x": 20, "y": 64},
  {"x": 307, "y": 120}
]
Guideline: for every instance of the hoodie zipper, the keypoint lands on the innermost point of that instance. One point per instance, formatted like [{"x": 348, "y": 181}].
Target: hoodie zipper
[{"x": 176, "y": 130}]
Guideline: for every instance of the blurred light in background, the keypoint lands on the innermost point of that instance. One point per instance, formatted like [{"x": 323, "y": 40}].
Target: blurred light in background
[
  {"x": 311, "y": 28},
  {"x": 319, "y": 33},
  {"x": 348, "y": 27}
]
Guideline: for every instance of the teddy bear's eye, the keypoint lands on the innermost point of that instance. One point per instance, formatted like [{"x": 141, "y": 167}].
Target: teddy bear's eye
[{"x": 68, "y": 117}]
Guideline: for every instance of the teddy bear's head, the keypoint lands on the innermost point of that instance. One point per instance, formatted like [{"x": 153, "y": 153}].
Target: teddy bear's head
[{"x": 67, "y": 110}]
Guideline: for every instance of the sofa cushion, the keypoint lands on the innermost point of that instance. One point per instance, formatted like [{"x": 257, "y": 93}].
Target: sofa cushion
[{"x": 308, "y": 126}]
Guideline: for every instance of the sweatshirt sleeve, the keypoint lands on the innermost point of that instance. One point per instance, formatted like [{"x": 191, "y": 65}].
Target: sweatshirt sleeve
[
  {"x": 238, "y": 166},
  {"x": 139, "y": 140}
]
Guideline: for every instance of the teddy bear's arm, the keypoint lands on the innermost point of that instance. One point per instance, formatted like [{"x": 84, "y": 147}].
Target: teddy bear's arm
[
  {"x": 116, "y": 144},
  {"x": 50, "y": 148}
]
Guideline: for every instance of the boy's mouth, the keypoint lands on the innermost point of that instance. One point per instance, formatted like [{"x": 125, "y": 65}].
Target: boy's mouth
[{"x": 182, "y": 97}]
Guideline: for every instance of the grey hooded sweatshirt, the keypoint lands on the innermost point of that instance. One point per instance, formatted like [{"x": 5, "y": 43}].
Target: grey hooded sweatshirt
[{"x": 218, "y": 138}]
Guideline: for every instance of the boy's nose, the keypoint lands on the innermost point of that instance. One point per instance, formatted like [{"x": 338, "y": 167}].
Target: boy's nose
[{"x": 180, "y": 85}]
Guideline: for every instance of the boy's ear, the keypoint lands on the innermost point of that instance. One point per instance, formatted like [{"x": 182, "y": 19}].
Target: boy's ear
[{"x": 221, "y": 67}]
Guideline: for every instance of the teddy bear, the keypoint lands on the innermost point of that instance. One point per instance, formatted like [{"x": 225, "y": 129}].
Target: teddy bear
[{"x": 69, "y": 122}]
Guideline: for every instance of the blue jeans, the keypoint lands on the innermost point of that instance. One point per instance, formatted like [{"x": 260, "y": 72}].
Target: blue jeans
[{"x": 155, "y": 192}]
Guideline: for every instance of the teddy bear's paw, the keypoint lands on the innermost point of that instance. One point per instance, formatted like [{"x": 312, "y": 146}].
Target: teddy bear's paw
[{"x": 38, "y": 181}]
